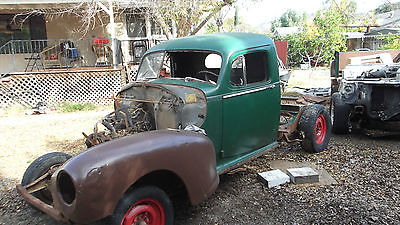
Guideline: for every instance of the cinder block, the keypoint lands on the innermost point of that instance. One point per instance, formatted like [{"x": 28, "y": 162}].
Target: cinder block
[
  {"x": 303, "y": 175},
  {"x": 274, "y": 178}
]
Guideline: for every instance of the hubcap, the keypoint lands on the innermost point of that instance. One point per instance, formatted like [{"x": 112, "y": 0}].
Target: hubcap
[
  {"x": 145, "y": 212},
  {"x": 320, "y": 129}
]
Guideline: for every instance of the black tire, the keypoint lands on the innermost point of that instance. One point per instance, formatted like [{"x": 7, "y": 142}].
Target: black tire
[
  {"x": 150, "y": 196},
  {"x": 340, "y": 114},
  {"x": 39, "y": 167},
  {"x": 315, "y": 123}
]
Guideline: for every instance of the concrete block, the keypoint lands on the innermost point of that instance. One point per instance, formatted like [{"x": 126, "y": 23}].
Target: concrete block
[
  {"x": 274, "y": 178},
  {"x": 303, "y": 175}
]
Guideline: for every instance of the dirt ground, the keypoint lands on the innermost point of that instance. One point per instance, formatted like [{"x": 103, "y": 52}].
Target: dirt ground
[{"x": 367, "y": 172}]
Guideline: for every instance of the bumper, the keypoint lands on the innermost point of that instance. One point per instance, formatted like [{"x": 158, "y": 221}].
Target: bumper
[{"x": 37, "y": 203}]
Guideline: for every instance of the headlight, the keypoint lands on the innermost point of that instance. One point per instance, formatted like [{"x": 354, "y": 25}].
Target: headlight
[{"x": 66, "y": 187}]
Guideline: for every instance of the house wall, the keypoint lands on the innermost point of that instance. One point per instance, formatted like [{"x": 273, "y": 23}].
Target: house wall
[
  {"x": 68, "y": 26},
  {"x": 7, "y": 62},
  {"x": 353, "y": 44}
]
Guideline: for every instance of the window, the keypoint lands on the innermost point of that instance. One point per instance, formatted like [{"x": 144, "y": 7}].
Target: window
[
  {"x": 150, "y": 66},
  {"x": 249, "y": 68},
  {"x": 136, "y": 25},
  {"x": 21, "y": 28},
  {"x": 189, "y": 65},
  {"x": 199, "y": 65},
  {"x": 237, "y": 72}
]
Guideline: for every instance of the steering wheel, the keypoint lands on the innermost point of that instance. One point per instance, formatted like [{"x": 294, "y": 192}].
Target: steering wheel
[{"x": 206, "y": 73}]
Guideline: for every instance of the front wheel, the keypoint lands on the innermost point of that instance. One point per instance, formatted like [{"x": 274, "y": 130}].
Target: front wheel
[
  {"x": 340, "y": 115},
  {"x": 316, "y": 126},
  {"x": 143, "y": 205}
]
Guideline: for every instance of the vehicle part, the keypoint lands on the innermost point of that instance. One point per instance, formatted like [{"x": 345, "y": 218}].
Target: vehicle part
[
  {"x": 143, "y": 205},
  {"x": 141, "y": 107},
  {"x": 340, "y": 115},
  {"x": 43, "y": 167},
  {"x": 315, "y": 123}
]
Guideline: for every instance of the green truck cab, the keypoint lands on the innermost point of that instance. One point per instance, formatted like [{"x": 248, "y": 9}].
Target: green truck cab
[{"x": 199, "y": 107}]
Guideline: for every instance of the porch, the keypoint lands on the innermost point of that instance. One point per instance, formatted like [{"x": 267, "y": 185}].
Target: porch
[
  {"x": 67, "y": 70},
  {"x": 43, "y": 55}
]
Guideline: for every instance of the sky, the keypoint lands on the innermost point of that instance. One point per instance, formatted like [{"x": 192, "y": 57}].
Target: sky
[{"x": 257, "y": 13}]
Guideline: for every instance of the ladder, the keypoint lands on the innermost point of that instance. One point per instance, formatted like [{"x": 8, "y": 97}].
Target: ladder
[{"x": 33, "y": 62}]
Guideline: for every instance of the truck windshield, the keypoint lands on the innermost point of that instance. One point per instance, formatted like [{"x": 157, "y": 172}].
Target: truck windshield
[
  {"x": 150, "y": 66},
  {"x": 203, "y": 66}
]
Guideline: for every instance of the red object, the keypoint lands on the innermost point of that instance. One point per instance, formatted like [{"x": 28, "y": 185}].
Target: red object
[
  {"x": 281, "y": 50},
  {"x": 101, "y": 40},
  {"x": 320, "y": 129},
  {"x": 149, "y": 211}
]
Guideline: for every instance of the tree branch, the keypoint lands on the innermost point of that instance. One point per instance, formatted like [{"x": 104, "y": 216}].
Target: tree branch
[{"x": 215, "y": 11}]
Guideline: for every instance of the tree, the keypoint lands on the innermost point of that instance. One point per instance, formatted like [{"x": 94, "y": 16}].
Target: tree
[
  {"x": 323, "y": 36},
  {"x": 189, "y": 16},
  {"x": 176, "y": 18},
  {"x": 289, "y": 18},
  {"x": 391, "y": 41},
  {"x": 385, "y": 7}
]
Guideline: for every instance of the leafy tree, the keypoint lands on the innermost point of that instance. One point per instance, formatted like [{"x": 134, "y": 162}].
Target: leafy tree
[
  {"x": 227, "y": 25},
  {"x": 385, "y": 7},
  {"x": 392, "y": 41},
  {"x": 323, "y": 36},
  {"x": 188, "y": 16},
  {"x": 289, "y": 18}
]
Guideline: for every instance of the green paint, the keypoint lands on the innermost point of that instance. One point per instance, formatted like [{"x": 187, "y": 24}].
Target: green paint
[
  {"x": 231, "y": 162},
  {"x": 242, "y": 121}
]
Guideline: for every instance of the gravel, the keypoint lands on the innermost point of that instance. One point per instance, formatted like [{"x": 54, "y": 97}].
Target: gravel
[{"x": 368, "y": 190}]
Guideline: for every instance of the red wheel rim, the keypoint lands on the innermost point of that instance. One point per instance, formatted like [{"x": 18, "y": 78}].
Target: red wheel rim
[
  {"x": 320, "y": 129},
  {"x": 146, "y": 211}
]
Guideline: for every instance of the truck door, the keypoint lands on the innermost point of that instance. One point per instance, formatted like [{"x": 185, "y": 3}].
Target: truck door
[{"x": 251, "y": 108}]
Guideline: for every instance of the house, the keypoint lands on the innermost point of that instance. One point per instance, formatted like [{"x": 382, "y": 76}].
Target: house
[
  {"x": 388, "y": 22},
  {"x": 30, "y": 39},
  {"x": 49, "y": 55}
]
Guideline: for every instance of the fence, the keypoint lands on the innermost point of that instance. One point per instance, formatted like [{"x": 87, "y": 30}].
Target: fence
[{"x": 81, "y": 86}]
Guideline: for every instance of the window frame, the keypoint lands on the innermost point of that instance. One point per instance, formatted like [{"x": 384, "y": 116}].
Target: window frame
[{"x": 246, "y": 84}]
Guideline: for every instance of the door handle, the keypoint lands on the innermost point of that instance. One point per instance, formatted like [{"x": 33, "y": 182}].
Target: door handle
[{"x": 270, "y": 86}]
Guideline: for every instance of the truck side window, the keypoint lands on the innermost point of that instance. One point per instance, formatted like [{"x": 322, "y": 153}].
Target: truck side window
[
  {"x": 237, "y": 72},
  {"x": 249, "y": 68},
  {"x": 256, "y": 67}
]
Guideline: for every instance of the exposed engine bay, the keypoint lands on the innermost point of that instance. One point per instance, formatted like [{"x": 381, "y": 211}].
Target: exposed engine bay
[{"x": 143, "y": 106}]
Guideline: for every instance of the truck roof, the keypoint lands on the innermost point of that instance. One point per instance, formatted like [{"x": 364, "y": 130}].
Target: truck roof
[{"x": 224, "y": 43}]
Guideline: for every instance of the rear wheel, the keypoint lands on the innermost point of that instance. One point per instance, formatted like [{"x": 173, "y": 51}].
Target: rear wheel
[
  {"x": 143, "y": 205},
  {"x": 316, "y": 126},
  {"x": 39, "y": 167},
  {"x": 340, "y": 115}
]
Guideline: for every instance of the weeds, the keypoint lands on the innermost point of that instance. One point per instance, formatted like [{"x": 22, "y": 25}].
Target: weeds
[{"x": 73, "y": 107}]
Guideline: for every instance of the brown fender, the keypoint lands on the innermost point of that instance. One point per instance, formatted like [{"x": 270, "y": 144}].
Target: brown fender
[{"x": 102, "y": 174}]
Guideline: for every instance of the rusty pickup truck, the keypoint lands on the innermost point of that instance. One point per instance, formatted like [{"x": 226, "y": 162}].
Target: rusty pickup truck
[{"x": 199, "y": 107}]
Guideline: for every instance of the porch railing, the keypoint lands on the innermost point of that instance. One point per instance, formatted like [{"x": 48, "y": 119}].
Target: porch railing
[{"x": 38, "y": 55}]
